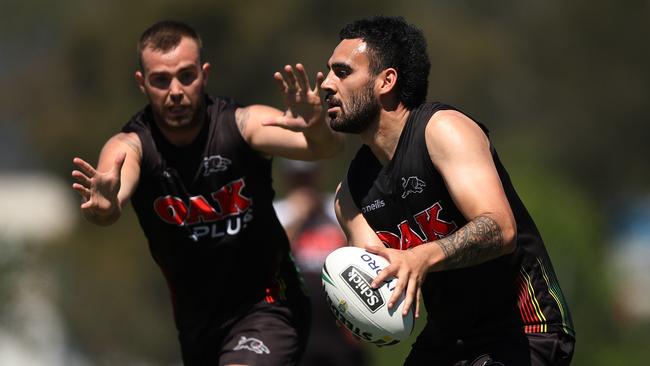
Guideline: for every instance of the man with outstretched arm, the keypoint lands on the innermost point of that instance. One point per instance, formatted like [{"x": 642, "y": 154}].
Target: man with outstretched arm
[{"x": 197, "y": 170}]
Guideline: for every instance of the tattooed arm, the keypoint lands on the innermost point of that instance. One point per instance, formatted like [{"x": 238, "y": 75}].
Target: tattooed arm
[
  {"x": 478, "y": 241},
  {"x": 460, "y": 151}
]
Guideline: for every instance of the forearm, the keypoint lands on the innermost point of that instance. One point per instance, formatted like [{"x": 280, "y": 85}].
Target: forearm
[{"x": 480, "y": 240}]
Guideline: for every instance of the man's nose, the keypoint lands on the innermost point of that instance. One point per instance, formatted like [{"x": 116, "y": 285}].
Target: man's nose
[
  {"x": 175, "y": 91},
  {"x": 327, "y": 83}
]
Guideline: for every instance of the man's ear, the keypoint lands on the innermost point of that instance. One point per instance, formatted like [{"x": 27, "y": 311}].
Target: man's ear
[
  {"x": 205, "y": 69},
  {"x": 139, "y": 79},
  {"x": 387, "y": 80}
]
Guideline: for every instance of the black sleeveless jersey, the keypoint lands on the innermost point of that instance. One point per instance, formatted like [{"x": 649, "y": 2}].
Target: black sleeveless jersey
[
  {"x": 407, "y": 204},
  {"x": 206, "y": 210}
]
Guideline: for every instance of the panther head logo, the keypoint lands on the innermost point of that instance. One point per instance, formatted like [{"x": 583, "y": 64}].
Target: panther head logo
[
  {"x": 412, "y": 185},
  {"x": 252, "y": 344},
  {"x": 215, "y": 164}
]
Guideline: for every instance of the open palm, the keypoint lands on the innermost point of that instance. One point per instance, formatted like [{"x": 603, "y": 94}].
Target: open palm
[
  {"x": 98, "y": 190},
  {"x": 303, "y": 104}
]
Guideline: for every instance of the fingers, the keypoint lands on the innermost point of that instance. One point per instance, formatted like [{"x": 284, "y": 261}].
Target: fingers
[
  {"x": 417, "y": 303},
  {"x": 387, "y": 272},
  {"x": 407, "y": 285},
  {"x": 320, "y": 78},
  {"x": 407, "y": 278},
  {"x": 411, "y": 294},
  {"x": 84, "y": 167},
  {"x": 292, "y": 84},
  {"x": 81, "y": 178},
  {"x": 397, "y": 292},
  {"x": 280, "y": 81},
  {"x": 383, "y": 276},
  {"x": 83, "y": 191},
  {"x": 302, "y": 78},
  {"x": 377, "y": 249},
  {"x": 293, "y": 81},
  {"x": 86, "y": 205}
]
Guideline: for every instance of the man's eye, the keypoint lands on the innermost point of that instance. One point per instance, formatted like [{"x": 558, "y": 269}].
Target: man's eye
[
  {"x": 341, "y": 73},
  {"x": 160, "y": 82},
  {"x": 187, "y": 78}
]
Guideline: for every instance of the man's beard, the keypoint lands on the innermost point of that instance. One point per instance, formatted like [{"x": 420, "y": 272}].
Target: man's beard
[
  {"x": 362, "y": 111},
  {"x": 188, "y": 122}
]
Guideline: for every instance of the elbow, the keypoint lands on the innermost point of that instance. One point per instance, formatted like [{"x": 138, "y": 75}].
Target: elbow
[{"x": 509, "y": 236}]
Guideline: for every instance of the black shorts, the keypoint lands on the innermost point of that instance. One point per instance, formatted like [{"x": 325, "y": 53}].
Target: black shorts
[
  {"x": 534, "y": 349},
  {"x": 267, "y": 335}
]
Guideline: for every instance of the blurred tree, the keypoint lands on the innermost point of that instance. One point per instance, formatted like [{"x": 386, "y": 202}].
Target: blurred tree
[
  {"x": 561, "y": 85},
  {"x": 114, "y": 299}
]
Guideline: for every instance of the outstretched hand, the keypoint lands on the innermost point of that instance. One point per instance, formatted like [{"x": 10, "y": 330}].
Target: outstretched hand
[
  {"x": 303, "y": 104},
  {"x": 410, "y": 271},
  {"x": 98, "y": 190}
]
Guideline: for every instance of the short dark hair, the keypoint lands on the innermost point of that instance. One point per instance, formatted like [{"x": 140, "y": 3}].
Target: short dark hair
[
  {"x": 166, "y": 35},
  {"x": 394, "y": 43}
]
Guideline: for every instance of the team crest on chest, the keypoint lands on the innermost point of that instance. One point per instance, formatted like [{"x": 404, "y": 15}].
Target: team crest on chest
[
  {"x": 215, "y": 164},
  {"x": 412, "y": 184}
]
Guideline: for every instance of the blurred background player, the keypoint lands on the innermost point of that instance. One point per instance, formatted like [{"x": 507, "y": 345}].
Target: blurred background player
[{"x": 307, "y": 215}]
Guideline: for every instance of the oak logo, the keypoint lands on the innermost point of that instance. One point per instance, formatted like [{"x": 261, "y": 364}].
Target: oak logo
[
  {"x": 430, "y": 224},
  {"x": 224, "y": 212}
]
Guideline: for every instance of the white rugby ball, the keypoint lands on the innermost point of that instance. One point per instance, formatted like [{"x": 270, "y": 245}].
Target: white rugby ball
[{"x": 346, "y": 277}]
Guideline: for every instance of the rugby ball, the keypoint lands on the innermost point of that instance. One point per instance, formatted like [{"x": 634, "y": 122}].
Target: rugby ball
[{"x": 346, "y": 277}]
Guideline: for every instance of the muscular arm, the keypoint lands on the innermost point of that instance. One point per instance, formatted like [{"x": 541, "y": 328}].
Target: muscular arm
[
  {"x": 479, "y": 240},
  {"x": 461, "y": 152},
  {"x": 315, "y": 141},
  {"x": 130, "y": 144},
  {"x": 106, "y": 189},
  {"x": 298, "y": 132}
]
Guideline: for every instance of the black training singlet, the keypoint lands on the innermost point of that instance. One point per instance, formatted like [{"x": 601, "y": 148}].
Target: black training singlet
[
  {"x": 206, "y": 210},
  {"x": 407, "y": 203}
]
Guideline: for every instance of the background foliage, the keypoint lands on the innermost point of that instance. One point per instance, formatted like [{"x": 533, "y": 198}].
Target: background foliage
[{"x": 563, "y": 87}]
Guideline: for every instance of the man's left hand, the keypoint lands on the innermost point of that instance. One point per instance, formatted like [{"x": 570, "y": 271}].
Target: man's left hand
[{"x": 304, "y": 106}]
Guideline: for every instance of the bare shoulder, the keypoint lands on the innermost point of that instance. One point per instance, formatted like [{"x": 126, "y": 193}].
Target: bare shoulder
[
  {"x": 128, "y": 139},
  {"x": 241, "y": 117},
  {"x": 452, "y": 121},
  {"x": 453, "y": 129}
]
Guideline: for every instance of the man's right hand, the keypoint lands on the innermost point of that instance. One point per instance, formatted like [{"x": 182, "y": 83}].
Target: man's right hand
[{"x": 99, "y": 190}]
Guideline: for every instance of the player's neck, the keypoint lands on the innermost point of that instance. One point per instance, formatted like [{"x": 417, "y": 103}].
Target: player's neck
[{"x": 382, "y": 137}]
